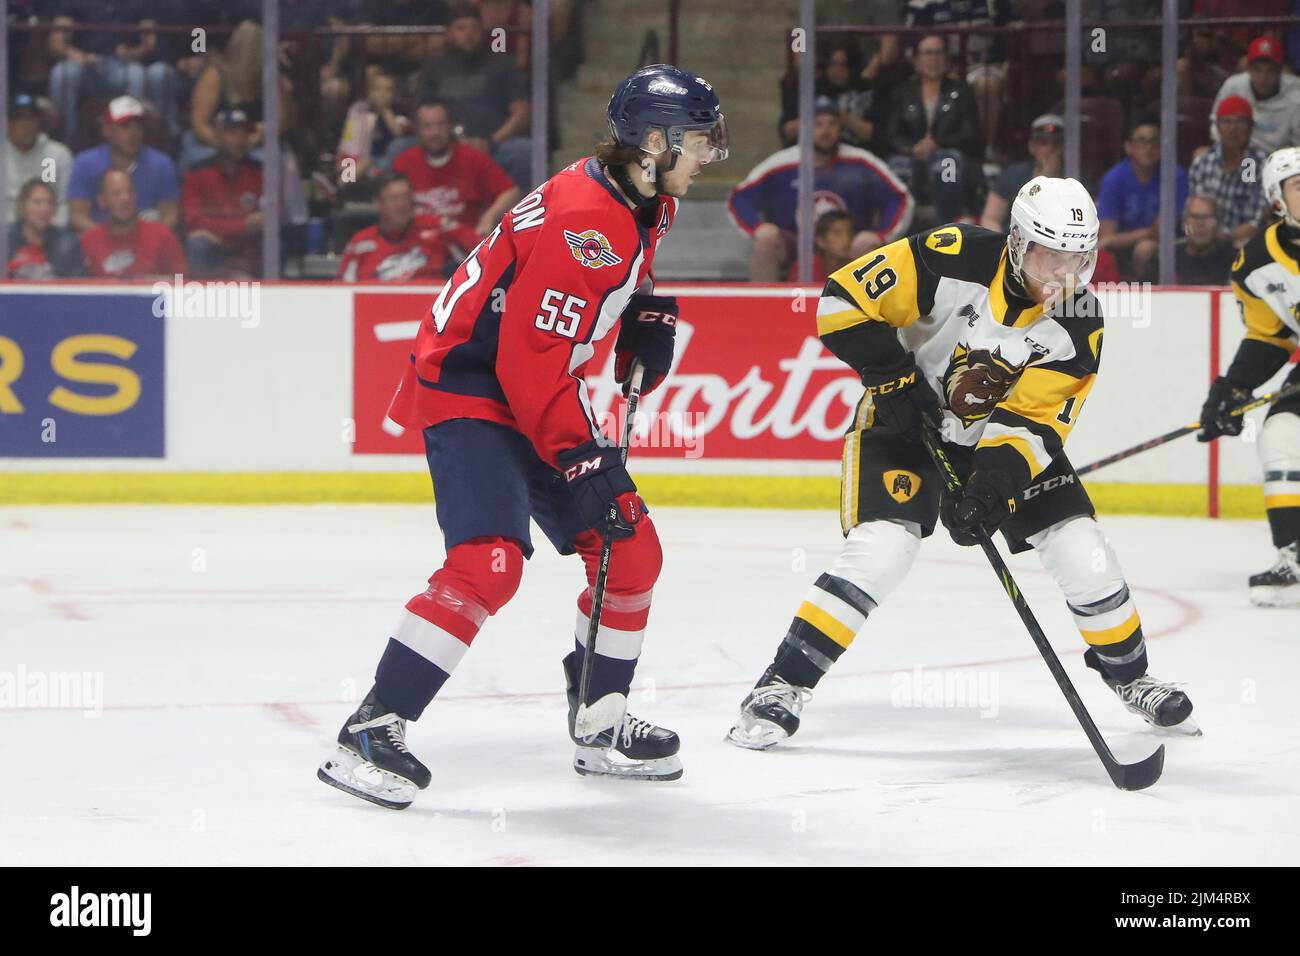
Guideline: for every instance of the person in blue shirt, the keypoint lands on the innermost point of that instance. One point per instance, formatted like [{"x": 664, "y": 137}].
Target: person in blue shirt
[
  {"x": 153, "y": 172},
  {"x": 765, "y": 203},
  {"x": 1128, "y": 203}
]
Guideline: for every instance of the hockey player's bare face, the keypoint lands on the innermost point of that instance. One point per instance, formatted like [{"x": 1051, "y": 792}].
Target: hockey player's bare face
[
  {"x": 1291, "y": 195},
  {"x": 692, "y": 158}
]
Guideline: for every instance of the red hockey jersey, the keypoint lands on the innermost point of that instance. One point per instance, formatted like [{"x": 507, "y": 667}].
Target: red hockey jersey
[
  {"x": 420, "y": 251},
  {"x": 507, "y": 338}
]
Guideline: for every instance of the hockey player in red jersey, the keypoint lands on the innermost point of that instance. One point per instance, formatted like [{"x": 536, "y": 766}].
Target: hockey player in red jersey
[{"x": 495, "y": 384}]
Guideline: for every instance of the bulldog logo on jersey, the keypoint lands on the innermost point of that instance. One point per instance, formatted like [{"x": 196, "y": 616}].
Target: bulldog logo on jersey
[
  {"x": 591, "y": 248},
  {"x": 976, "y": 381},
  {"x": 901, "y": 485}
]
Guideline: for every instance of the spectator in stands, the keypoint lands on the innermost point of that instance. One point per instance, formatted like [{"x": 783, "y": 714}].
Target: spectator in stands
[
  {"x": 453, "y": 180},
  {"x": 38, "y": 247},
  {"x": 1128, "y": 203},
  {"x": 486, "y": 92},
  {"x": 127, "y": 246},
  {"x": 114, "y": 63},
  {"x": 222, "y": 203},
  {"x": 372, "y": 126},
  {"x": 1199, "y": 72},
  {"x": 152, "y": 171},
  {"x": 232, "y": 79},
  {"x": 1203, "y": 255},
  {"x": 1274, "y": 96},
  {"x": 986, "y": 54},
  {"x": 402, "y": 246},
  {"x": 33, "y": 155},
  {"x": 844, "y": 177},
  {"x": 934, "y": 130},
  {"x": 840, "y": 78},
  {"x": 1046, "y": 136},
  {"x": 883, "y": 51},
  {"x": 1229, "y": 172},
  {"x": 832, "y": 246},
  {"x": 1128, "y": 62},
  {"x": 402, "y": 55}
]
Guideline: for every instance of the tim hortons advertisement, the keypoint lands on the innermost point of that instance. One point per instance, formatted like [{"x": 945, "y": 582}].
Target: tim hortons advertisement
[{"x": 750, "y": 380}]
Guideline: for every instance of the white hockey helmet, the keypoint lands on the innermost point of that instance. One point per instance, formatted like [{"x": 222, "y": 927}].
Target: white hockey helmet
[
  {"x": 1280, "y": 166},
  {"x": 1057, "y": 214}
]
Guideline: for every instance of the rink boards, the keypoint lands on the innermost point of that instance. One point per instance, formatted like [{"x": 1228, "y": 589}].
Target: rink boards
[{"x": 277, "y": 392}]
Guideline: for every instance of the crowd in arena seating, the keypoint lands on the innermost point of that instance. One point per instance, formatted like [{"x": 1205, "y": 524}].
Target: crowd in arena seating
[
  {"x": 946, "y": 114},
  {"x": 911, "y": 129},
  {"x": 173, "y": 98}
]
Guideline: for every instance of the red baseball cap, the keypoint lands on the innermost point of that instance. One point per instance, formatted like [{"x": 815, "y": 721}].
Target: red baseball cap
[
  {"x": 1264, "y": 48},
  {"x": 1234, "y": 106}
]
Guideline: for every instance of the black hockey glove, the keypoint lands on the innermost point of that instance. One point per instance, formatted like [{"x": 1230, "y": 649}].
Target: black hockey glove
[
  {"x": 903, "y": 398},
  {"x": 983, "y": 505},
  {"x": 646, "y": 331},
  {"x": 1216, "y": 415},
  {"x": 597, "y": 479}
]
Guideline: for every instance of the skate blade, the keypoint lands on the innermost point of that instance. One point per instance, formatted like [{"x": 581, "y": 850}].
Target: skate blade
[
  {"x": 351, "y": 773},
  {"x": 753, "y": 733},
  {"x": 1184, "y": 728},
  {"x": 1267, "y": 595},
  {"x": 599, "y": 762}
]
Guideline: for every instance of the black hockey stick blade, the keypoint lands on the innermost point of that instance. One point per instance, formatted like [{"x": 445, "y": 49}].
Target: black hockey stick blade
[{"x": 1137, "y": 776}]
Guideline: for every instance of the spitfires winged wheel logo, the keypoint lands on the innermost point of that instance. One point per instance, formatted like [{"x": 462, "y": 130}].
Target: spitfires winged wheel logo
[
  {"x": 591, "y": 248},
  {"x": 976, "y": 381}
]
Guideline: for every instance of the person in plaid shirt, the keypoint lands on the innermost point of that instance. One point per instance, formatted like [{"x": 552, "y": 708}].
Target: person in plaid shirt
[{"x": 1229, "y": 171}]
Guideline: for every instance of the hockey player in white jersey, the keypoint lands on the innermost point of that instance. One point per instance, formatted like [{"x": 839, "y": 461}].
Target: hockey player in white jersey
[
  {"x": 995, "y": 343},
  {"x": 1266, "y": 281}
]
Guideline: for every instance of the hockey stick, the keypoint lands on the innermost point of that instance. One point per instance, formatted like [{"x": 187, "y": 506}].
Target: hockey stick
[
  {"x": 591, "y": 719},
  {"x": 1130, "y": 776},
  {"x": 1270, "y": 398}
]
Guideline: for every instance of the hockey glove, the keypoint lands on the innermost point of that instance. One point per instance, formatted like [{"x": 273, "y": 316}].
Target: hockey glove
[
  {"x": 903, "y": 399},
  {"x": 1216, "y": 415},
  {"x": 597, "y": 479},
  {"x": 646, "y": 331},
  {"x": 982, "y": 507}
]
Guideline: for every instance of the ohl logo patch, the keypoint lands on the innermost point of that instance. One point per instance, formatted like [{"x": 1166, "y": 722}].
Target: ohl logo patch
[
  {"x": 901, "y": 485},
  {"x": 591, "y": 248},
  {"x": 946, "y": 240}
]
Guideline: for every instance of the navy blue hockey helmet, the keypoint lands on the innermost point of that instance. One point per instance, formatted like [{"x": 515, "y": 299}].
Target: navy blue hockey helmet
[{"x": 654, "y": 108}]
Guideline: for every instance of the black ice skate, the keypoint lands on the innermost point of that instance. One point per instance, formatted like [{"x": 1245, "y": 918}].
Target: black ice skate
[
  {"x": 1279, "y": 586},
  {"x": 770, "y": 713},
  {"x": 636, "y": 750},
  {"x": 1160, "y": 703},
  {"x": 372, "y": 761}
]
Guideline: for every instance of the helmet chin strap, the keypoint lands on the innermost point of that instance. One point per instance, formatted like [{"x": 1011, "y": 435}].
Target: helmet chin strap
[{"x": 638, "y": 198}]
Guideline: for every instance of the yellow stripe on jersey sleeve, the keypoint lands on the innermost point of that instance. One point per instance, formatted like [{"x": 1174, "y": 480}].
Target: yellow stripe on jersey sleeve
[
  {"x": 1041, "y": 395},
  {"x": 1262, "y": 323},
  {"x": 883, "y": 285}
]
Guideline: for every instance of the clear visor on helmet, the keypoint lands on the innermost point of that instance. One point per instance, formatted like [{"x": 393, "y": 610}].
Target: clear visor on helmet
[
  {"x": 707, "y": 144},
  {"x": 1057, "y": 268}
]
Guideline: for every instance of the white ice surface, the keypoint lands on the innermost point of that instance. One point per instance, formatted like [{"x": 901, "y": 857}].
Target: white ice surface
[{"x": 229, "y": 640}]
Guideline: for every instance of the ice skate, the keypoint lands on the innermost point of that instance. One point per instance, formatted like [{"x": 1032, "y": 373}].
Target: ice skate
[
  {"x": 635, "y": 750},
  {"x": 770, "y": 713},
  {"x": 372, "y": 762},
  {"x": 1160, "y": 703},
  {"x": 1279, "y": 586}
]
